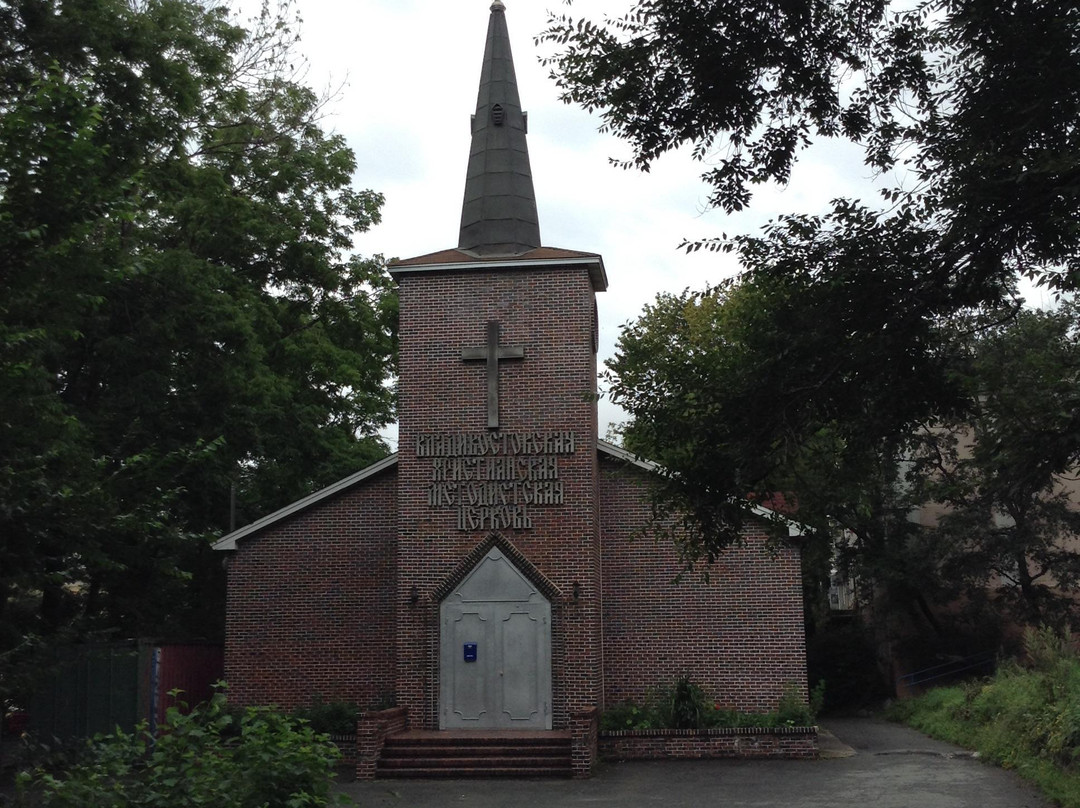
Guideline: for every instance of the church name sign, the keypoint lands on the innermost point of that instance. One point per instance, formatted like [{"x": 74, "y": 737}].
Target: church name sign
[{"x": 492, "y": 480}]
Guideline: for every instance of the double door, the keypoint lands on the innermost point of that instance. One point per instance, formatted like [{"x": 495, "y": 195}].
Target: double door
[{"x": 495, "y": 659}]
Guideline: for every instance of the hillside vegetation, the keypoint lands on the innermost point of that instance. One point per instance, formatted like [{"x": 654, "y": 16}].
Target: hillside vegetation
[{"x": 1026, "y": 717}]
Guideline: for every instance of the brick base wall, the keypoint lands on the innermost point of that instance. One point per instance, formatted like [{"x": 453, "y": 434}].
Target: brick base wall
[
  {"x": 659, "y": 744},
  {"x": 584, "y": 736},
  {"x": 372, "y": 730},
  {"x": 346, "y": 744}
]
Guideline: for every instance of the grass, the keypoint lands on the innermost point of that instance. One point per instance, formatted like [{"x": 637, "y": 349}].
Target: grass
[{"x": 1026, "y": 717}]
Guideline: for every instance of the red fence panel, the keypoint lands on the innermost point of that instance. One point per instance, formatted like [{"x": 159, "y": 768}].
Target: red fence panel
[{"x": 191, "y": 668}]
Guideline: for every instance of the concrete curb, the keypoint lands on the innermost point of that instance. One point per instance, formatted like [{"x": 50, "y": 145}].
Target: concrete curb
[{"x": 832, "y": 748}]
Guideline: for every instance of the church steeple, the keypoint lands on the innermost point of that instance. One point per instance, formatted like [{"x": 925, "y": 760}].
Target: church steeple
[{"x": 498, "y": 216}]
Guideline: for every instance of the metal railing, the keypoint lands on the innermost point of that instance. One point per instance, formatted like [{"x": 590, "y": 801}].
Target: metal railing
[{"x": 983, "y": 662}]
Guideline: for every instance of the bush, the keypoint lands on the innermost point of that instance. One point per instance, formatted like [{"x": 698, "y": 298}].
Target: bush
[
  {"x": 685, "y": 705},
  {"x": 792, "y": 711},
  {"x": 333, "y": 718},
  {"x": 681, "y": 705},
  {"x": 257, "y": 758},
  {"x": 626, "y": 715}
]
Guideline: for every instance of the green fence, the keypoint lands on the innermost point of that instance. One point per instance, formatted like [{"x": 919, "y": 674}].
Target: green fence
[{"x": 90, "y": 689}]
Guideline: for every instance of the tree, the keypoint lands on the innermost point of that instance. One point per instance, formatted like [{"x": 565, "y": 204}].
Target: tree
[
  {"x": 1006, "y": 473},
  {"x": 978, "y": 102},
  {"x": 738, "y": 388},
  {"x": 739, "y": 410},
  {"x": 752, "y": 80},
  {"x": 707, "y": 377},
  {"x": 178, "y": 315}
]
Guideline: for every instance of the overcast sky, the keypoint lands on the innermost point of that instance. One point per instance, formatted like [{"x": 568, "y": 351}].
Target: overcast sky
[{"x": 408, "y": 72}]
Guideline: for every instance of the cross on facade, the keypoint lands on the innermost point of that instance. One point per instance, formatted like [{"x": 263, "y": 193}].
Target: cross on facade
[{"x": 492, "y": 353}]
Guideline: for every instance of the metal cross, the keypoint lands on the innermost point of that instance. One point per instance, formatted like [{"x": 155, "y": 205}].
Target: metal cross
[{"x": 492, "y": 353}]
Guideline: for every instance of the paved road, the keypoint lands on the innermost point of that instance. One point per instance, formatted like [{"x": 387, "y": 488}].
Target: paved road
[{"x": 892, "y": 767}]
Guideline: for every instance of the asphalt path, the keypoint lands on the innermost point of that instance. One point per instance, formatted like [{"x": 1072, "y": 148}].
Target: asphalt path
[{"x": 866, "y": 762}]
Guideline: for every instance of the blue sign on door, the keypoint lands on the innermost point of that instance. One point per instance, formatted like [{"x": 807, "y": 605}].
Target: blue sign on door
[{"x": 470, "y": 652}]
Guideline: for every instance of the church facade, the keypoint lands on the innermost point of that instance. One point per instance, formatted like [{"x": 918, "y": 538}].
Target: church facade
[{"x": 492, "y": 574}]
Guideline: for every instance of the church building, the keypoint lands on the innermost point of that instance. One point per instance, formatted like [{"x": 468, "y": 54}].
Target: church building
[{"x": 493, "y": 575}]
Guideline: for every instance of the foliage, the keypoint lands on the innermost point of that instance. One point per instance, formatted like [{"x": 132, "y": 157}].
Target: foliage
[
  {"x": 823, "y": 368},
  {"x": 979, "y": 101},
  {"x": 724, "y": 394},
  {"x": 844, "y": 656},
  {"x": 741, "y": 391},
  {"x": 1027, "y": 717},
  {"x": 179, "y": 317},
  {"x": 736, "y": 391},
  {"x": 332, "y": 718},
  {"x": 794, "y": 711},
  {"x": 1004, "y": 470},
  {"x": 257, "y": 759},
  {"x": 682, "y": 704},
  {"x": 752, "y": 81},
  {"x": 936, "y": 713},
  {"x": 626, "y": 715}
]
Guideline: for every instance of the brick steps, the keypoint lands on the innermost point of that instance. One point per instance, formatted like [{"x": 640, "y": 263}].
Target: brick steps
[{"x": 463, "y": 755}]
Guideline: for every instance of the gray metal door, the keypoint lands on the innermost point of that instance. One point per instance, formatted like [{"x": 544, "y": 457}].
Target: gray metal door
[{"x": 495, "y": 651}]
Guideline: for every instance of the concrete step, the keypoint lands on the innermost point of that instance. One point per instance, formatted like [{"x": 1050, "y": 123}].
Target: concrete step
[
  {"x": 463, "y": 755},
  {"x": 556, "y": 755},
  {"x": 448, "y": 748},
  {"x": 474, "y": 763},
  {"x": 467, "y": 774}
]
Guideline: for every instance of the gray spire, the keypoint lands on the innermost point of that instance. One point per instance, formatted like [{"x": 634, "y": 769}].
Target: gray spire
[{"x": 498, "y": 216}]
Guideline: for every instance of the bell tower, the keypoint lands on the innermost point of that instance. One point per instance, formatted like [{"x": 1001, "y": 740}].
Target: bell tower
[{"x": 497, "y": 459}]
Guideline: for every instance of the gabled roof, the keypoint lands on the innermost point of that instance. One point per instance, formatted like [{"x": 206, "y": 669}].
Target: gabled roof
[
  {"x": 794, "y": 529},
  {"x": 228, "y": 542}
]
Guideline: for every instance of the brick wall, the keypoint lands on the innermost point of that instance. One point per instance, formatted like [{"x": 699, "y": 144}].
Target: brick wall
[
  {"x": 549, "y": 310},
  {"x": 310, "y": 605},
  {"x": 739, "y": 635},
  {"x": 342, "y": 600},
  {"x": 584, "y": 739},
  {"x": 372, "y": 730},
  {"x": 688, "y": 744}
]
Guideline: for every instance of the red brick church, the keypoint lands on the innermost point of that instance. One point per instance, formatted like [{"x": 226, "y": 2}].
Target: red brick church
[{"x": 489, "y": 576}]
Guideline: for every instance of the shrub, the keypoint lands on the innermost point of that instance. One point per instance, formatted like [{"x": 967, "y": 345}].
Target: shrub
[
  {"x": 334, "y": 718},
  {"x": 792, "y": 711},
  {"x": 681, "y": 705},
  {"x": 257, "y": 758},
  {"x": 1047, "y": 650},
  {"x": 626, "y": 715},
  {"x": 685, "y": 705}
]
